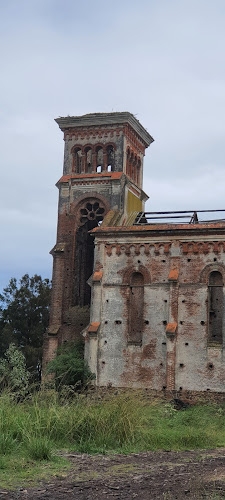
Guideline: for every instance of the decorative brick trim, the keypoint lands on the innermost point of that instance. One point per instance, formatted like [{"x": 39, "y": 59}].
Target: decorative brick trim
[
  {"x": 135, "y": 140},
  {"x": 84, "y": 178},
  {"x": 91, "y": 133},
  {"x": 89, "y": 183},
  {"x": 126, "y": 248},
  {"x": 202, "y": 247}
]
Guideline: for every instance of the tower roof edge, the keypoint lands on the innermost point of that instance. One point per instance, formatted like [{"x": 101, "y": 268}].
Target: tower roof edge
[{"x": 97, "y": 119}]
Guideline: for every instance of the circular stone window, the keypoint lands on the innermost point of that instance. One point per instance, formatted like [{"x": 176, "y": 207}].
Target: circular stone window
[{"x": 92, "y": 211}]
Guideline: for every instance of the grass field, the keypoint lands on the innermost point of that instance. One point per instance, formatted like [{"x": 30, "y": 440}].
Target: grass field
[{"x": 32, "y": 431}]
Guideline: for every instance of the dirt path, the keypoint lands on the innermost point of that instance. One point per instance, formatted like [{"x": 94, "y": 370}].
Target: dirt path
[{"x": 145, "y": 476}]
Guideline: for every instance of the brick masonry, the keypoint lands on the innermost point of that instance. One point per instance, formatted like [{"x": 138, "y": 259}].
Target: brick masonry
[
  {"x": 102, "y": 169},
  {"x": 146, "y": 298},
  {"x": 175, "y": 352}
]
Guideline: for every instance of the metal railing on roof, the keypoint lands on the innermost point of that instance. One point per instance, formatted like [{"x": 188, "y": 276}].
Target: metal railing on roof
[{"x": 177, "y": 217}]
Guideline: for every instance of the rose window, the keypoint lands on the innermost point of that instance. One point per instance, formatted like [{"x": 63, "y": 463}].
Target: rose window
[{"x": 92, "y": 211}]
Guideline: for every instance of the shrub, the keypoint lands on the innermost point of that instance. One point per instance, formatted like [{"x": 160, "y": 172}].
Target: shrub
[
  {"x": 69, "y": 366},
  {"x": 13, "y": 373}
]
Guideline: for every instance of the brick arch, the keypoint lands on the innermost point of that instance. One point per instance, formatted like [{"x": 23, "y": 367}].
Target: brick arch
[
  {"x": 89, "y": 146},
  {"x": 99, "y": 145},
  {"x": 73, "y": 150},
  {"x": 77, "y": 146},
  {"x": 127, "y": 274},
  {"x": 85, "y": 198},
  {"x": 215, "y": 266},
  {"x": 110, "y": 144}
]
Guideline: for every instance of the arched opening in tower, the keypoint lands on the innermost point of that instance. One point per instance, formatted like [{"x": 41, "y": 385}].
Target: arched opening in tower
[{"x": 91, "y": 216}]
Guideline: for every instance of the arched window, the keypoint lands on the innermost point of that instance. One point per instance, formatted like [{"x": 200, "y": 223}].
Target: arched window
[
  {"x": 77, "y": 160},
  {"x": 110, "y": 158},
  {"x": 128, "y": 160},
  {"x": 131, "y": 165},
  {"x": 91, "y": 215},
  {"x": 99, "y": 159},
  {"x": 215, "y": 305},
  {"x": 134, "y": 176},
  {"x": 88, "y": 160},
  {"x": 138, "y": 170},
  {"x": 136, "y": 305}
]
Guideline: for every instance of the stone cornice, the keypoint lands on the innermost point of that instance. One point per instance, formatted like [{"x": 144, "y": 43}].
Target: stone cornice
[
  {"x": 97, "y": 119},
  {"x": 168, "y": 230}
]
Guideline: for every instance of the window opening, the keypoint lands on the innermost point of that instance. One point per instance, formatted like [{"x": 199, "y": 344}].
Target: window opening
[
  {"x": 128, "y": 160},
  {"x": 78, "y": 160},
  {"x": 91, "y": 215},
  {"x": 99, "y": 159},
  {"x": 110, "y": 158},
  {"x": 88, "y": 160},
  {"x": 215, "y": 305},
  {"x": 136, "y": 305},
  {"x": 131, "y": 164}
]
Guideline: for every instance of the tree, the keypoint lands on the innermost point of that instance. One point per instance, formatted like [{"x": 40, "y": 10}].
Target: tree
[{"x": 24, "y": 316}]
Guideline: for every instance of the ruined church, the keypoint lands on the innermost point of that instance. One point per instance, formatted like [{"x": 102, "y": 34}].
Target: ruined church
[{"x": 146, "y": 290}]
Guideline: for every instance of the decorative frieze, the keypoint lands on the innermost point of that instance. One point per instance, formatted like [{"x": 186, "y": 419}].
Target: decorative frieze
[
  {"x": 90, "y": 183},
  {"x": 190, "y": 247},
  {"x": 146, "y": 248},
  {"x": 134, "y": 139},
  {"x": 91, "y": 133},
  {"x": 202, "y": 247}
]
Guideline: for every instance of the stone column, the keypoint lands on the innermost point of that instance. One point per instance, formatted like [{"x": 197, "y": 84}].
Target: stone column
[{"x": 105, "y": 161}]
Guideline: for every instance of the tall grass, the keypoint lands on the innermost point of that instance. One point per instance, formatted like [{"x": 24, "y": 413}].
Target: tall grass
[{"x": 123, "y": 423}]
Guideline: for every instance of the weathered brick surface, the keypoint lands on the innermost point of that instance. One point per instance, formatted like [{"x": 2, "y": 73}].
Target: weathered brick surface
[
  {"x": 115, "y": 144},
  {"x": 152, "y": 313},
  {"x": 179, "y": 359}
]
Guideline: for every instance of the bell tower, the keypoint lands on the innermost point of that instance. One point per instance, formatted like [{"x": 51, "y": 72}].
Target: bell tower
[{"x": 102, "y": 172}]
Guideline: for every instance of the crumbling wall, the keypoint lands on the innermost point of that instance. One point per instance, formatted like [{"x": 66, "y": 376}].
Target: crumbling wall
[{"x": 175, "y": 351}]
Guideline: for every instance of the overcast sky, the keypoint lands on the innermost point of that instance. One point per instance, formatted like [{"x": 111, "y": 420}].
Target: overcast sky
[{"x": 162, "y": 60}]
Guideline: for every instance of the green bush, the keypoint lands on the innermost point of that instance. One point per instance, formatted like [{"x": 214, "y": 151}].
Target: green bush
[
  {"x": 13, "y": 372},
  {"x": 69, "y": 367}
]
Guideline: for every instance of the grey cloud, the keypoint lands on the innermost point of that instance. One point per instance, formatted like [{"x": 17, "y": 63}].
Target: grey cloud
[{"x": 163, "y": 61}]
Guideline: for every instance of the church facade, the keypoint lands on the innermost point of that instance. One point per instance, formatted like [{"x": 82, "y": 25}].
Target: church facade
[{"x": 145, "y": 291}]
